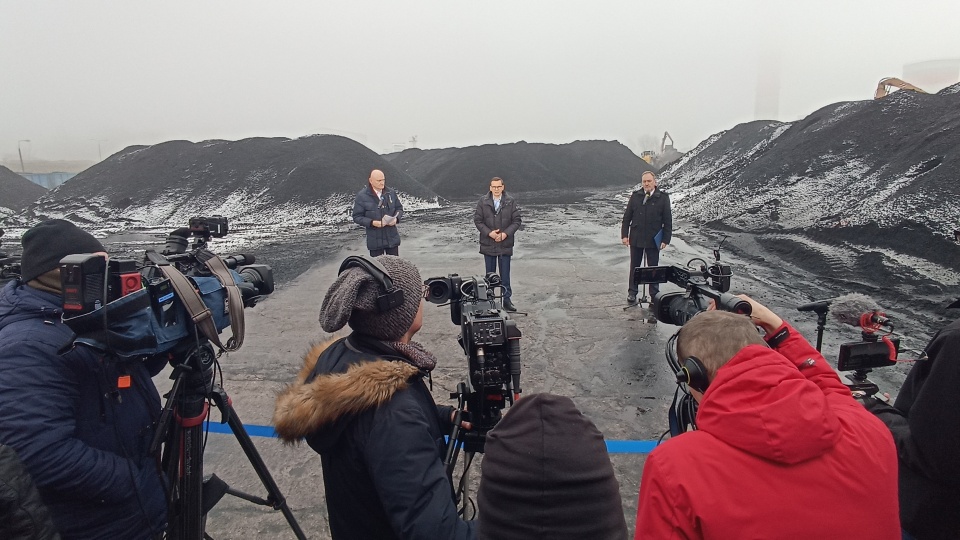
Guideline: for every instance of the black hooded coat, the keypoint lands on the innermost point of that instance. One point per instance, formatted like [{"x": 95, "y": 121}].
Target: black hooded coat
[{"x": 380, "y": 437}]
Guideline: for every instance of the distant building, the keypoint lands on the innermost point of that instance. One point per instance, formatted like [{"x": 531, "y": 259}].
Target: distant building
[
  {"x": 48, "y": 180},
  {"x": 933, "y": 75}
]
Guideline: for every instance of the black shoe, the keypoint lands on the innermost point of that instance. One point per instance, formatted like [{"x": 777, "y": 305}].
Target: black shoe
[
  {"x": 631, "y": 299},
  {"x": 508, "y": 305}
]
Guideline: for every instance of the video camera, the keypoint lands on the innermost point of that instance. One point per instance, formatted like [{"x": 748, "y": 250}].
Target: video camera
[
  {"x": 700, "y": 283},
  {"x": 874, "y": 350},
  {"x": 131, "y": 309},
  {"x": 491, "y": 342}
]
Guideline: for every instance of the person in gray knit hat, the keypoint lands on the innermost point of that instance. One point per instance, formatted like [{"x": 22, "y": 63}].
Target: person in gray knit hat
[
  {"x": 361, "y": 403},
  {"x": 353, "y": 298}
]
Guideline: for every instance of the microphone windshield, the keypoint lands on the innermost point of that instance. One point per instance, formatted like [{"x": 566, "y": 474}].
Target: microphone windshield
[{"x": 848, "y": 308}]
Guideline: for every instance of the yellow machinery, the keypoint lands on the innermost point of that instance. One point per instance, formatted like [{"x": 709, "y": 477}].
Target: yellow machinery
[{"x": 883, "y": 88}]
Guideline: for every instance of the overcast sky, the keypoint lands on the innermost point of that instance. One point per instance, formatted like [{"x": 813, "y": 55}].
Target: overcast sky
[{"x": 78, "y": 73}]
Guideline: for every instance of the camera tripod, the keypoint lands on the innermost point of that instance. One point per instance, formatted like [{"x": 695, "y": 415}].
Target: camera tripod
[
  {"x": 470, "y": 441},
  {"x": 180, "y": 430}
]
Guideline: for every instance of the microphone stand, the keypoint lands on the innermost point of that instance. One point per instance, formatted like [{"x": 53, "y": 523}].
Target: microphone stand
[{"x": 820, "y": 308}]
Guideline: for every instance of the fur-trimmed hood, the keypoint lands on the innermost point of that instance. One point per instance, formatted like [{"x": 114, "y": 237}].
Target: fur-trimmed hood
[{"x": 303, "y": 408}]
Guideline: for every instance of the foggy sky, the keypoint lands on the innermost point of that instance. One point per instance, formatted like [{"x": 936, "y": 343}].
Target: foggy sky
[{"x": 78, "y": 73}]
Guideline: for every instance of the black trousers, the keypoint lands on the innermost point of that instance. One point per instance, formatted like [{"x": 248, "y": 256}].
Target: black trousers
[
  {"x": 636, "y": 259},
  {"x": 385, "y": 251}
]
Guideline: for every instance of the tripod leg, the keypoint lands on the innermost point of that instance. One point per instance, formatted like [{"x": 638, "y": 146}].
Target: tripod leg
[{"x": 274, "y": 497}]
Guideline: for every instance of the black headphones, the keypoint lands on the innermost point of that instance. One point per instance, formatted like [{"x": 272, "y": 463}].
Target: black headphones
[
  {"x": 690, "y": 371},
  {"x": 390, "y": 297}
]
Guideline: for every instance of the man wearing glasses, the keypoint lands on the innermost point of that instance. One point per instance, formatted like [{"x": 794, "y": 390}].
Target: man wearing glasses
[{"x": 498, "y": 218}]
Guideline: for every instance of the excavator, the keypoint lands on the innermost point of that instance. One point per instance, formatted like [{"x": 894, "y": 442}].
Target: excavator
[
  {"x": 664, "y": 147},
  {"x": 883, "y": 88},
  {"x": 668, "y": 154}
]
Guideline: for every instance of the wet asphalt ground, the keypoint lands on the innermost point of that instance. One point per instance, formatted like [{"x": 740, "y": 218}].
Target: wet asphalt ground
[{"x": 570, "y": 281}]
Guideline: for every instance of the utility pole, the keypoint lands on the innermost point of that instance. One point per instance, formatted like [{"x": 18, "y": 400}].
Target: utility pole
[
  {"x": 20, "y": 152},
  {"x": 99, "y": 152}
]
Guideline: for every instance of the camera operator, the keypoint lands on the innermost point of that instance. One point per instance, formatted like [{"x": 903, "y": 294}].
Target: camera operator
[
  {"x": 775, "y": 423},
  {"x": 80, "y": 421},
  {"x": 361, "y": 403},
  {"x": 926, "y": 430}
]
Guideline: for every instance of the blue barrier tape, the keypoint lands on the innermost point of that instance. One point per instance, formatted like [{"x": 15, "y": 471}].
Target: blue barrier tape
[{"x": 613, "y": 447}]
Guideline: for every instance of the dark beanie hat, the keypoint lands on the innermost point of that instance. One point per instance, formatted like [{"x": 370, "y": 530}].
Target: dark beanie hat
[
  {"x": 45, "y": 244},
  {"x": 546, "y": 474},
  {"x": 353, "y": 298}
]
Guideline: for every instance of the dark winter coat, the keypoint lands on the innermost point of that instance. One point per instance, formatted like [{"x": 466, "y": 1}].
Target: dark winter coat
[
  {"x": 925, "y": 422},
  {"x": 83, "y": 440},
  {"x": 506, "y": 220},
  {"x": 782, "y": 450},
  {"x": 368, "y": 208},
  {"x": 380, "y": 437},
  {"x": 23, "y": 516},
  {"x": 642, "y": 222}
]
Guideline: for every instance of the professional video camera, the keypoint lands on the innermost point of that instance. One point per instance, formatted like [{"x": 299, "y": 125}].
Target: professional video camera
[
  {"x": 130, "y": 309},
  {"x": 491, "y": 342},
  {"x": 875, "y": 349},
  {"x": 700, "y": 283},
  {"x": 175, "y": 304}
]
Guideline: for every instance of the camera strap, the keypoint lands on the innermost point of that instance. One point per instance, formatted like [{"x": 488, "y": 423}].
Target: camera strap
[
  {"x": 234, "y": 304},
  {"x": 199, "y": 312}
]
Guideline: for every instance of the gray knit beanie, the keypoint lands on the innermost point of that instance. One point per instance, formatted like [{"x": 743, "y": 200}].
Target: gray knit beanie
[{"x": 353, "y": 298}]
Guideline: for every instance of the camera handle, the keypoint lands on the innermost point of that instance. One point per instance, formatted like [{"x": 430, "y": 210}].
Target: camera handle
[
  {"x": 188, "y": 402},
  {"x": 454, "y": 443}
]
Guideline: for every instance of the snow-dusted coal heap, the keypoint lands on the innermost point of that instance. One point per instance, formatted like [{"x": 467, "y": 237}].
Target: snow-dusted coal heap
[
  {"x": 465, "y": 173},
  {"x": 849, "y": 192},
  {"x": 254, "y": 182},
  {"x": 16, "y": 192}
]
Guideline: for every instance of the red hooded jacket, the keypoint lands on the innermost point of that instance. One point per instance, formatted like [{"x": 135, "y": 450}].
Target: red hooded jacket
[{"x": 780, "y": 452}]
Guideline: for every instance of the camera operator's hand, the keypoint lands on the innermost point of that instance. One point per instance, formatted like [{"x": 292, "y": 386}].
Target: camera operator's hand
[
  {"x": 762, "y": 316},
  {"x": 463, "y": 423}
]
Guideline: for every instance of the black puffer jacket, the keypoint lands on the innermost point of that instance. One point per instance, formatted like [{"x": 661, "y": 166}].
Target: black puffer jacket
[
  {"x": 23, "y": 516},
  {"x": 506, "y": 220},
  {"x": 368, "y": 208},
  {"x": 84, "y": 440},
  {"x": 926, "y": 429},
  {"x": 642, "y": 222},
  {"x": 380, "y": 437}
]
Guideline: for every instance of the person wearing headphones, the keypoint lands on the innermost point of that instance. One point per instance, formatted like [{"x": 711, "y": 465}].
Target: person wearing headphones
[
  {"x": 781, "y": 449},
  {"x": 361, "y": 403}
]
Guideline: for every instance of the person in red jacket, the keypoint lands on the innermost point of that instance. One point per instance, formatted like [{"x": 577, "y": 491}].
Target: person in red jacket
[{"x": 781, "y": 450}]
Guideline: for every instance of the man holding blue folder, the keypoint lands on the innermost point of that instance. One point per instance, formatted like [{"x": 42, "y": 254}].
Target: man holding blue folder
[{"x": 646, "y": 229}]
